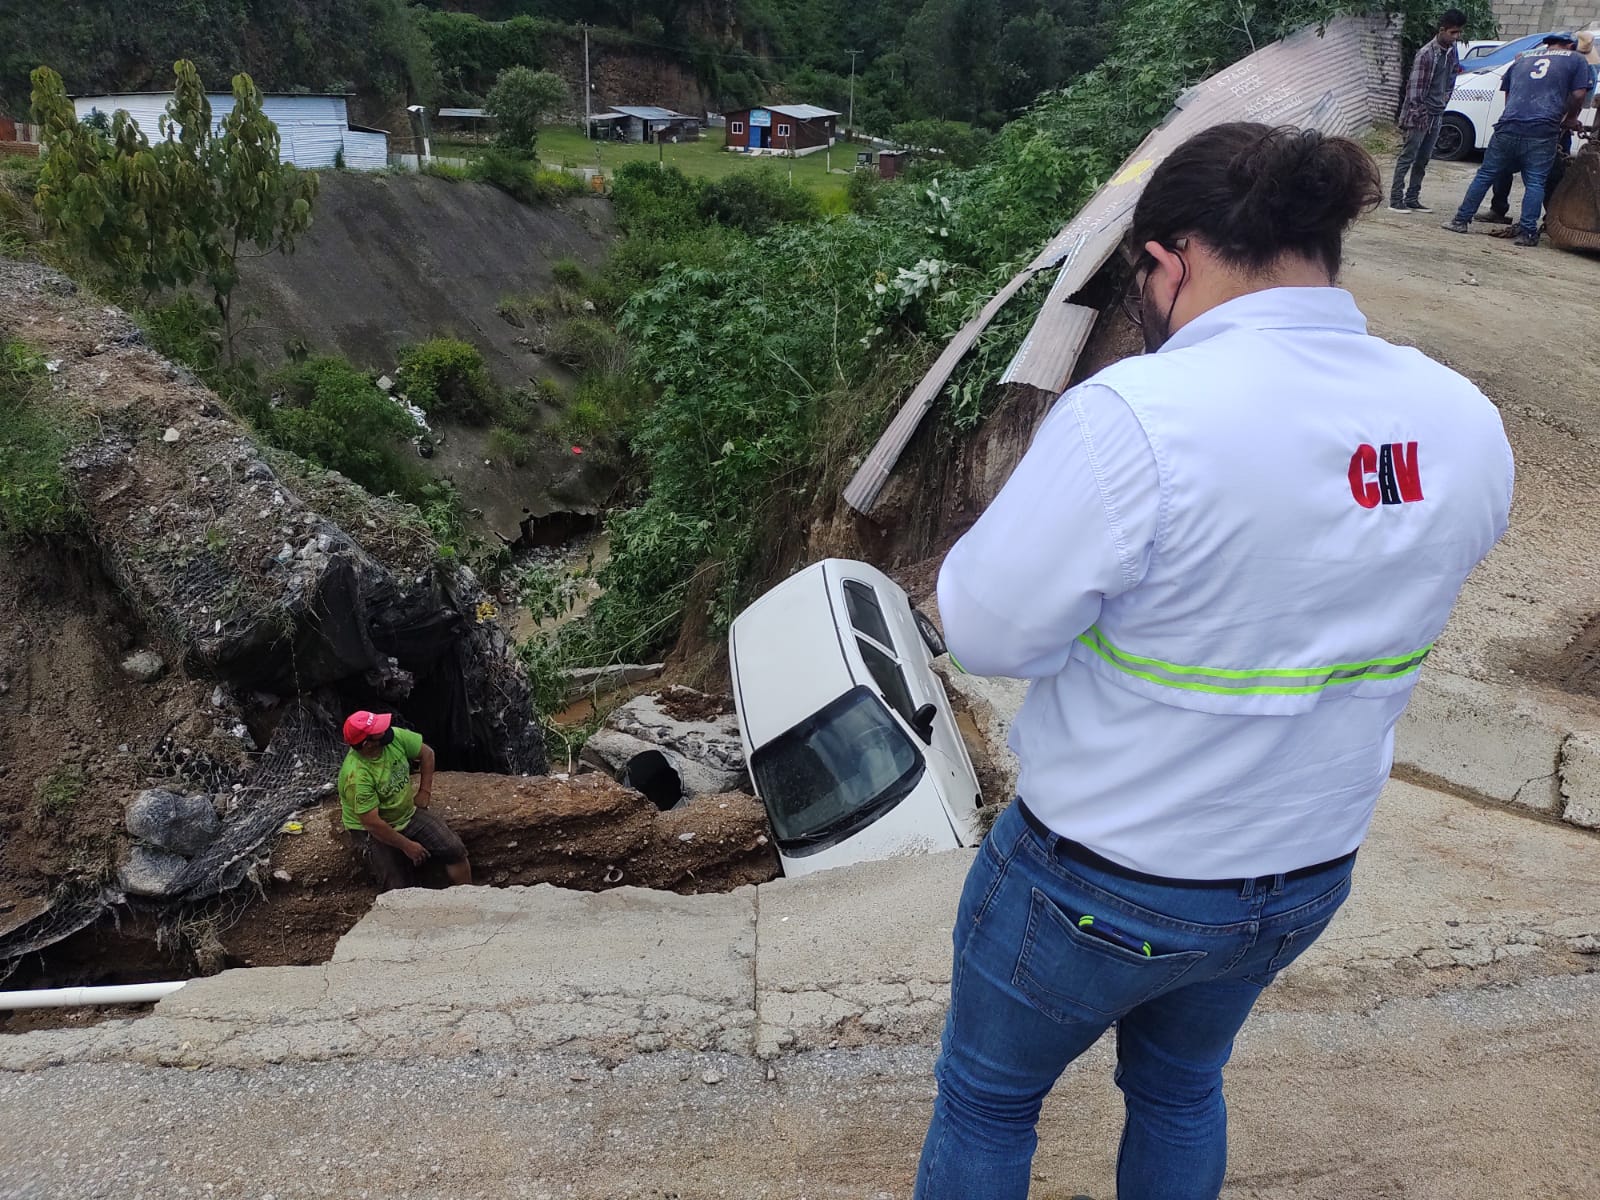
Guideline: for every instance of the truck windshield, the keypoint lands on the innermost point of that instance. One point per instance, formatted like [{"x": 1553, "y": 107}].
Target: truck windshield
[{"x": 835, "y": 772}]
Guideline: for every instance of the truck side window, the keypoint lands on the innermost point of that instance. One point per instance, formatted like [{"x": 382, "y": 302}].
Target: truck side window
[
  {"x": 865, "y": 614},
  {"x": 887, "y": 675}
]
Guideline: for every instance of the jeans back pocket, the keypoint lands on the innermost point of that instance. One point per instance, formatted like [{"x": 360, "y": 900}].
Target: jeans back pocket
[{"x": 1071, "y": 975}]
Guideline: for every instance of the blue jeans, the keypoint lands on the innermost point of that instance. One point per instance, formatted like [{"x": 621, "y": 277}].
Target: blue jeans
[
  {"x": 1530, "y": 154},
  {"x": 1030, "y": 991}
]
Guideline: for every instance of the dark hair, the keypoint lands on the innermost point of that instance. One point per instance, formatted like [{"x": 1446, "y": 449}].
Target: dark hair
[
  {"x": 1253, "y": 193},
  {"x": 1452, "y": 18}
]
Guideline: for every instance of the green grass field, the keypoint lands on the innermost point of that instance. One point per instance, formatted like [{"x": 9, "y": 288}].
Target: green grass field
[{"x": 565, "y": 146}]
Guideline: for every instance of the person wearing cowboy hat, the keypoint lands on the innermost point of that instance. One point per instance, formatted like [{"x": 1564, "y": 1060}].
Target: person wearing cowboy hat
[
  {"x": 1545, "y": 91},
  {"x": 385, "y": 786}
]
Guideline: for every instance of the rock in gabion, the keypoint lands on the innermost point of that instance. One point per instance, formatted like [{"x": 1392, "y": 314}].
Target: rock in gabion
[
  {"x": 173, "y": 821},
  {"x": 150, "y": 872}
]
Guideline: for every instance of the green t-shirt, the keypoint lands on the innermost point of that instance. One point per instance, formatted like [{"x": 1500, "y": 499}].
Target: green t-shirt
[{"x": 383, "y": 783}]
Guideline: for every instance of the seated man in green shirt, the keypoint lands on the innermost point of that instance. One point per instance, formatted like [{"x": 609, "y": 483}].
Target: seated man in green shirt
[{"x": 386, "y": 807}]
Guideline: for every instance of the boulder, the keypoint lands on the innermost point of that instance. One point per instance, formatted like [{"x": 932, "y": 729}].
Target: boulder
[
  {"x": 145, "y": 666},
  {"x": 173, "y": 821},
  {"x": 150, "y": 872}
]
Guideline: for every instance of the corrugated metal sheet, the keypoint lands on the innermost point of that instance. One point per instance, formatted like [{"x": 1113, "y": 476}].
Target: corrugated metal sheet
[
  {"x": 802, "y": 112},
  {"x": 366, "y": 150},
  {"x": 1339, "y": 81},
  {"x": 649, "y": 112},
  {"x": 1053, "y": 343},
  {"x": 313, "y": 129}
]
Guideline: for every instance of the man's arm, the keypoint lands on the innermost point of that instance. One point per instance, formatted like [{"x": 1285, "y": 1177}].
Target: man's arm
[
  {"x": 424, "y": 777},
  {"x": 1073, "y": 525},
  {"x": 1579, "y": 94},
  {"x": 386, "y": 833},
  {"x": 1574, "y": 107}
]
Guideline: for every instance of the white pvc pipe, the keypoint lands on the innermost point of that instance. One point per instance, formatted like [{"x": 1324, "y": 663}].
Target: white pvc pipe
[{"x": 74, "y": 997}]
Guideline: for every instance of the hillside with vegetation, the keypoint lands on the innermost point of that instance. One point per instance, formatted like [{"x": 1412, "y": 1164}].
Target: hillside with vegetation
[
  {"x": 967, "y": 60},
  {"x": 743, "y": 344}
]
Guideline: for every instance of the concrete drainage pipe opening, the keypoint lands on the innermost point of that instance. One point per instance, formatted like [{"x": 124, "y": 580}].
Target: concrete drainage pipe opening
[{"x": 650, "y": 772}]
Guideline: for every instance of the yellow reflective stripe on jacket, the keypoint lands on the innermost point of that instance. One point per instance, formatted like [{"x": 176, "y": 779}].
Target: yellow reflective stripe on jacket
[{"x": 1267, "y": 681}]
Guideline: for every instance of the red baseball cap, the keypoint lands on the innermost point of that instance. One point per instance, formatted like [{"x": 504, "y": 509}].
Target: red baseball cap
[{"x": 359, "y": 726}]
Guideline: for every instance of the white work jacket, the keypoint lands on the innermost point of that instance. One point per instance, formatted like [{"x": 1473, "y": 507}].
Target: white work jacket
[{"x": 1222, "y": 565}]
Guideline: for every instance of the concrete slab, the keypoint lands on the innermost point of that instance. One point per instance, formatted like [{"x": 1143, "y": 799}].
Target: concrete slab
[
  {"x": 514, "y": 969},
  {"x": 1443, "y": 885},
  {"x": 1580, "y": 780},
  {"x": 1479, "y": 737},
  {"x": 857, "y": 954}
]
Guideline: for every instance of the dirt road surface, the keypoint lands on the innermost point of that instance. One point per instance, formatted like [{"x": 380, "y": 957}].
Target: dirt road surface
[
  {"x": 1520, "y": 324},
  {"x": 1321, "y": 1109}
]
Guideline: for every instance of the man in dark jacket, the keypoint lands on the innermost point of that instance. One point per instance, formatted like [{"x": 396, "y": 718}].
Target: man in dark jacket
[{"x": 1433, "y": 77}]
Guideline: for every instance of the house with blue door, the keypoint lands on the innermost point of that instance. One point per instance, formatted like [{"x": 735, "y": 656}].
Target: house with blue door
[{"x": 792, "y": 130}]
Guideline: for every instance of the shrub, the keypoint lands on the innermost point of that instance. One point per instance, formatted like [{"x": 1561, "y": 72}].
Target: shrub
[
  {"x": 957, "y": 144},
  {"x": 446, "y": 377},
  {"x": 862, "y": 190},
  {"x": 521, "y": 178},
  {"x": 569, "y": 273},
  {"x": 341, "y": 420},
  {"x": 755, "y": 201},
  {"x": 584, "y": 342},
  {"x": 35, "y": 497},
  {"x": 448, "y": 171},
  {"x": 606, "y": 405},
  {"x": 653, "y": 201},
  {"x": 551, "y": 185},
  {"x": 510, "y": 446},
  {"x": 187, "y": 330}
]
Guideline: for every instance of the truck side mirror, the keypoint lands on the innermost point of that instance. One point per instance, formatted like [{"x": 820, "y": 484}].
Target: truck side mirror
[{"x": 922, "y": 722}]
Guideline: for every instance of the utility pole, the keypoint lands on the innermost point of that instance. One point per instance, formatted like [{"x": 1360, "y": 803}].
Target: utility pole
[
  {"x": 587, "y": 123},
  {"x": 850, "y": 123}
]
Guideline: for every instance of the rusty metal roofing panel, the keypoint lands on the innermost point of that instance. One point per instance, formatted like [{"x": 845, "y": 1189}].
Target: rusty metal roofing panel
[
  {"x": 1052, "y": 345},
  {"x": 1338, "y": 81}
]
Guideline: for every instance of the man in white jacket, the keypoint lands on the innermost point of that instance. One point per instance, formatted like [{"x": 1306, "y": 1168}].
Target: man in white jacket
[{"x": 1222, "y": 565}]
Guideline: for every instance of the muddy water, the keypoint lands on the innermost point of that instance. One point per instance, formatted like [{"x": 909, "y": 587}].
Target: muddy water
[{"x": 582, "y": 560}]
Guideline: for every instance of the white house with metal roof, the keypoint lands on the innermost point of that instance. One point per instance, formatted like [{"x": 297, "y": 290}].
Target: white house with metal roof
[
  {"x": 792, "y": 130},
  {"x": 314, "y": 130}
]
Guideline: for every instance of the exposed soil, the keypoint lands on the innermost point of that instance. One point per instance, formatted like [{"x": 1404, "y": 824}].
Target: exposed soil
[
  {"x": 686, "y": 704},
  {"x": 1577, "y": 665},
  {"x": 80, "y": 738},
  {"x": 588, "y": 833}
]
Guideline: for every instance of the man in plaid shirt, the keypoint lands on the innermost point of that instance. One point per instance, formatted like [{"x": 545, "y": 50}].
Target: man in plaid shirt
[{"x": 1433, "y": 78}]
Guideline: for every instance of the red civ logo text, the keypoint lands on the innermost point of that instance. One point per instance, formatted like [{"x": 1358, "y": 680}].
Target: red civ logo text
[{"x": 1386, "y": 474}]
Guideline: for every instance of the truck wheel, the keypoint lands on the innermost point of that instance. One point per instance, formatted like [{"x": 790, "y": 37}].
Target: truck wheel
[
  {"x": 929, "y": 631},
  {"x": 1457, "y": 138}
]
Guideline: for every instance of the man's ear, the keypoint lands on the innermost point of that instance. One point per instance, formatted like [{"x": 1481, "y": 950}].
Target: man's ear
[{"x": 1165, "y": 258}]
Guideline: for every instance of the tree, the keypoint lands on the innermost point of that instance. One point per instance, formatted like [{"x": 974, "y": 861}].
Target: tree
[
  {"x": 519, "y": 102},
  {"x": 182, "y": 210}
]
